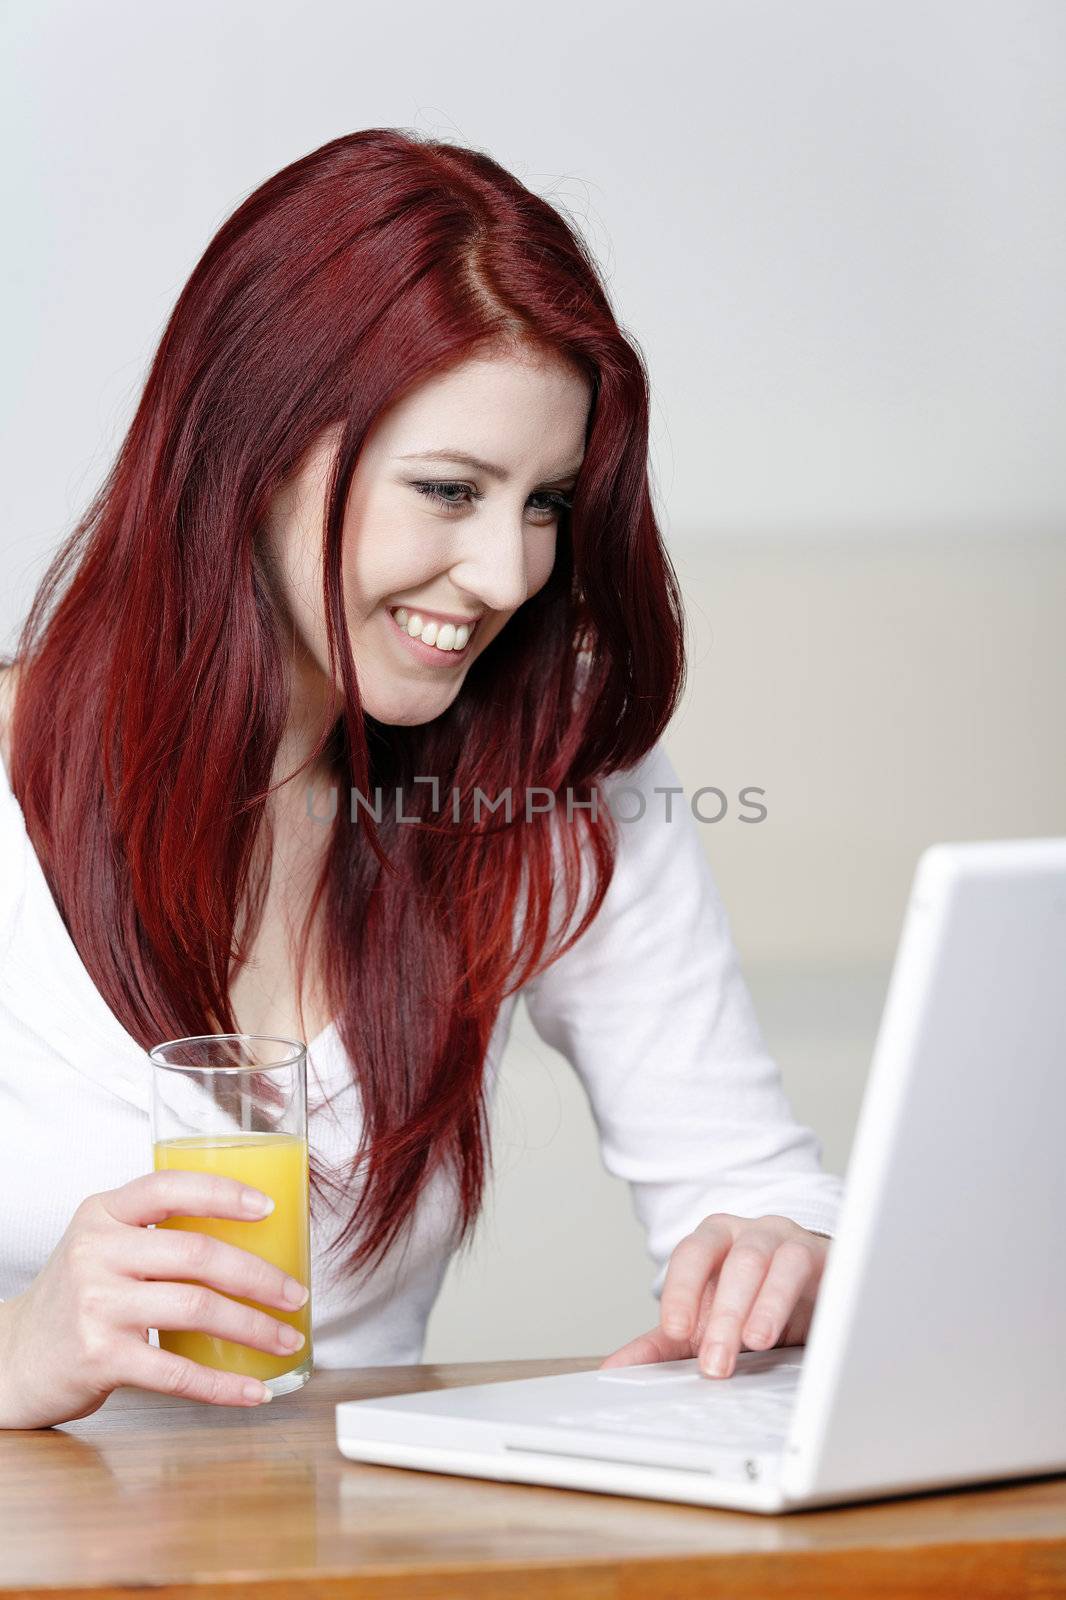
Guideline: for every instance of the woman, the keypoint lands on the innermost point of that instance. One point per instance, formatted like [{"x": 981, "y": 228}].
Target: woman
[{"x": 392, "y": 400}]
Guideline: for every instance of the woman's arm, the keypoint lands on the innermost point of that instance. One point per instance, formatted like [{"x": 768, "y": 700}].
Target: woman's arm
[{"x": 652, "y": 1011}]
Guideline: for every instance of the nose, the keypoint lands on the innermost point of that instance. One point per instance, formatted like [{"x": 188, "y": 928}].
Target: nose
[{"x": 492, "y": 567}]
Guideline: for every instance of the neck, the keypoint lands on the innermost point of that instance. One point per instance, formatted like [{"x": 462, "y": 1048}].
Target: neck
[{"x": 311, "y": 714}]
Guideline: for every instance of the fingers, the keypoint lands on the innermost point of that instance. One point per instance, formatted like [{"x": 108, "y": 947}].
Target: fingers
[
  {"x": 694, "y": 1260},
  {"x": 146, "y": 1367},
  {"x": 154, "y": 1196},
  {"x": 183, "y": 1306},
  {"x": 655, "y": 1345},
  {"x": 759, "y": 1285},
  {"x": 731, "y": 1281},
  {"x": 173, "y": 1253}
]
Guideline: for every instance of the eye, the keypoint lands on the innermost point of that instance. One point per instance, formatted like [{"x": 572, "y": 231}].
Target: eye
[
  {"x": 438, "y": 492},
  {"x": 559, "y": 502}
]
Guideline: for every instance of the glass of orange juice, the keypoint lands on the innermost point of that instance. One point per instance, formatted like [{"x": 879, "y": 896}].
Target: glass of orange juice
[{"x": 236, "y": 1104}]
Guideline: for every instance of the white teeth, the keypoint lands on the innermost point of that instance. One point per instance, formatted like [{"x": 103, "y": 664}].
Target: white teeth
[{"x": 443, "y": 636}]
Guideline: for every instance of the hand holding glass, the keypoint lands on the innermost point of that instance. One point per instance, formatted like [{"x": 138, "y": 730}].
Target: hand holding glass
[{"x": 235, "y": 1105}]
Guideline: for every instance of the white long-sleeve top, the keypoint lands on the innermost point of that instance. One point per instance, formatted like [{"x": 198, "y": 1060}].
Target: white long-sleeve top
[{"x": 649, "y": 1007}]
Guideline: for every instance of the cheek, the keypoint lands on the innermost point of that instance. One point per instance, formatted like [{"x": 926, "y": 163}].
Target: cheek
[
  {"x": 540, "y": 559},
  {"x": 294, "y": 576},
  {"x": 381, "y": 557}
]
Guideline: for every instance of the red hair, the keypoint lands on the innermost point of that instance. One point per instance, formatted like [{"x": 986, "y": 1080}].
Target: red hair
[{"x": 152, "y": 669}]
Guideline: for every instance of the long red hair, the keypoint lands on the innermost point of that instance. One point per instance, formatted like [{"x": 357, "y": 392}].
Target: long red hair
[{"x": 152, "y": 671}]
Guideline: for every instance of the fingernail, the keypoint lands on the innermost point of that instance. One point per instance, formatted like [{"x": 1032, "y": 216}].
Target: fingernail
[
  {"x": 716, "y": 1363},
  {"x": 257, "y": 1391},
  {"x": 295, "y": 1293},
  {"x": 260, "y": 1205}
]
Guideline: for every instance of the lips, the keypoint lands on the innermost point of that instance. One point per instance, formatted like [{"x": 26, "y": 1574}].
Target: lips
[
  {"x": 439, "y": 617},
  {"x": 441, "y": 621},
  {"x": 429, "y": 652}
]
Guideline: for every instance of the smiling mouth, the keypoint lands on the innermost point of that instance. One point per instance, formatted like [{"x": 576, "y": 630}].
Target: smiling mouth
[{"x": 445, "y": 653}]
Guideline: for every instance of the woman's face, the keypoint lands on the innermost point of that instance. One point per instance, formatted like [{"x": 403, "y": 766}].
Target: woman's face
[{"x": 475, "y": 554}]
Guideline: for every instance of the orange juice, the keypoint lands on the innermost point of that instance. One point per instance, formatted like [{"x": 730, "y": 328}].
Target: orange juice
[{"x": 276, "y": 1163}]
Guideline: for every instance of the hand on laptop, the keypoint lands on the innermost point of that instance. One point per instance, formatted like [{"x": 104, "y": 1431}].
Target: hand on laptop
[{"x": 732, "y": 1282}]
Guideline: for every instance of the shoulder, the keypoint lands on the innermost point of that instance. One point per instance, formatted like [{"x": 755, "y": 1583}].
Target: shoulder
[{"x": 659, "y": 863}]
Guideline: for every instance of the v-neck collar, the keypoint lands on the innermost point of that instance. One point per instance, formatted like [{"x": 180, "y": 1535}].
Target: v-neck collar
[{"x": 47, "y": 985}]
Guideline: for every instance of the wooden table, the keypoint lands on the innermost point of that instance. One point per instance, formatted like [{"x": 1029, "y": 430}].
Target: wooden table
[{"x": 193, "y": 1501}]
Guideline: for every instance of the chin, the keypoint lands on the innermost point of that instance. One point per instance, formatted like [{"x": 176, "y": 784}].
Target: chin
[{"x": 408, "y": 710}]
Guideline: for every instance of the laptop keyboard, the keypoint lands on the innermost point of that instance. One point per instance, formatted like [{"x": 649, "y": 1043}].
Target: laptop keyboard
[{"x": 749, "y": 1411}]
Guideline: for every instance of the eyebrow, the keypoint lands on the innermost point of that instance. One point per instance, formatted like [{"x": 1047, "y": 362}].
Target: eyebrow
[{"x": 490, "y": 471}]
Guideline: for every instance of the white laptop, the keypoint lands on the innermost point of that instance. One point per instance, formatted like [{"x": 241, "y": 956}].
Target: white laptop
[{"x": 937, "y": 1351}]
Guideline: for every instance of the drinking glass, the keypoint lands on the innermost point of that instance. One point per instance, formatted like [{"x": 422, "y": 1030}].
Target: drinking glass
[{"x": 236, "y": 1104}]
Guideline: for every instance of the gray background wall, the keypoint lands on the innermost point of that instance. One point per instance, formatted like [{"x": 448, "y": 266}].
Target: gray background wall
[{"x": 836, "y": 232}]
